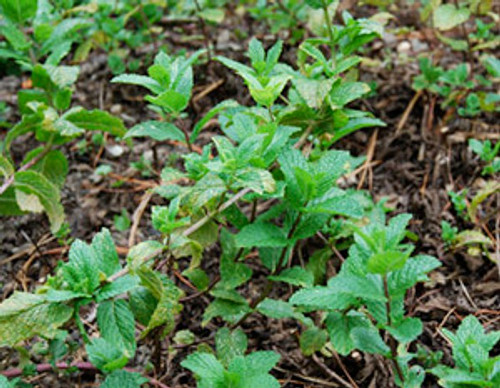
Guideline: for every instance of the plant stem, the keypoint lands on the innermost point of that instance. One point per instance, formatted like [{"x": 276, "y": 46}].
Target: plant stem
[
  {"x": 204, "y": 29},
  {"x": 269, "y": 284},
  {"x": 10, "y": 180},
  {"x": 193, "y": 228},
  {"x": 83, "y": 366},
  {"x": 392, "y": 342},
  {"x": 329, "y": 26}
]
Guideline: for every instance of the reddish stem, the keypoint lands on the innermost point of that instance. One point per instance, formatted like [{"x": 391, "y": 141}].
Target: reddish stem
[{"x": 83, "y": 366}]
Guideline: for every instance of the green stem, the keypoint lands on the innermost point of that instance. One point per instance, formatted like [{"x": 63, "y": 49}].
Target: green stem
[
  {"x": 269, "y": 284},
  {"x": 392, "y": 341},
  {"x": 329, "y": 26}
]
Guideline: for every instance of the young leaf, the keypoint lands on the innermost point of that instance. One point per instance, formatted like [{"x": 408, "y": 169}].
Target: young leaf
[
  {"x": 105, "y": 355},
  {"x": 80, "y": 270},
  {"x": 261, "y": 234},
  {"x": 124, "y": 379},
  {"x": 96, "y": 120},
  {"x": 117, "y": 325},
  {"x": 230, "y": 345},
  {"x": 206, "y": 368},
  {"x": 156, "y": 130},
  {"x": 108, "y": 261}
]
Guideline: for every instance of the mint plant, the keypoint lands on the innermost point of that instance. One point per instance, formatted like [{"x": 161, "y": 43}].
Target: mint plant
[
  {"x": 35, "y": 185},
  {"x": 52, "y": 35},
  {"x": 366, "y": 298},
  {"x": 231, "y": 367},
  {"x": 473, "y": 365}
]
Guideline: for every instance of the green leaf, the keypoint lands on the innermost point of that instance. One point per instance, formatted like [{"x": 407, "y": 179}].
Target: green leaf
[
  {"x": 414, "y": 271},
  {"x": 312, "y": 340},
  {"x": 167, "y": 307},
  {"x": 143, "y": 304},
  {"x": 369, "y": 340},
  {"x": 230, "y": 344},
  {"x": 96, "y": 120},
  {"x": 139, "y": 80},
  {"x": 105, "y": 355},
  {"x": 324, "y": 298},
  {"x": 24, "y": 315},
  {"x": 296, "y": 276},
  {"x": 8, "y": 203},
  {"x": 6, "y": 168},
  {"x": 209, "y": 116},
  {"x": 15, "y": 37},
  {"x": 340, "y": 327},
  {"x": 205, "y": 367},
  {"x": 171, "y": 100},
  {"x": 138, "y": 253},
  {"x": 108, "y": 261},
  {"x": 387, "y": 261},
  {"x": 274, "y": 308},
  {"x": 406, "y": 330},
  {"x": 156, "y": 130},
  {"x": 36, "y": 193},
  {"x": 80, "y": 270},
  {"x": 54, "y": 165},
  {"x": 18, "y": 11},
  {"x": 233, "y": 274},
  {"x": 346, "y": 92},
  {"x": 261, "y": 234},
  {"x": 117, "y": 325},
  {"x": 447, "y": 16},
  {"x": 355, "y": 124},
  {"x": 124, "y": 379},
  {"x": 117, "y": 287},
  {"x": 313, "y": 91}
]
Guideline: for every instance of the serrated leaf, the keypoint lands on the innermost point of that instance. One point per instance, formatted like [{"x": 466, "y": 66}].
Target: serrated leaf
[
  {"x": 97, "y": 120},
  {"x": 230, "y": 344},
  {"x": 346, "y": 92},
  {"x": 167, "y": 307},
  {"x": 124, "y": 379},
  {"x": 369, "y": 340},
  {"x": 324, "y": 298},
  {"x": 156, "y": 130},
  {"x": 105, "y": 355},
  {"x": 274, "y": 308},
  {"x": 406, "y": 330},
  {"x": 296, "y": 276},
  {"x": 33, "y": 185},
  {"x": 233, "y": 274},
  {"x": 312, "y": 340},
  {"x": 205, "y": 367},
  {"x": 139, "y": 80},
  {"x": 24, "y": 315},
  {"x": 355, "y": 124},
  {"x": 80, "y": 270},
  {"x": 387, "y": 261},
  {"x": 117, "y": 325},
  {"x": 117, "y": 287},
  {"x": 261, "y": 234},
  {"x": 108, "y": 261},
  {"x": 340, "y": 326}
]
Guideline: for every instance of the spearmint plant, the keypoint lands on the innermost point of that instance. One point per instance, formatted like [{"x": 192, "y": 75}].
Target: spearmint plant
[
  {"x": 365, "y": 301},
  {"x": 35, "y": 185},
  {"x": 473, "y": 365}
]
